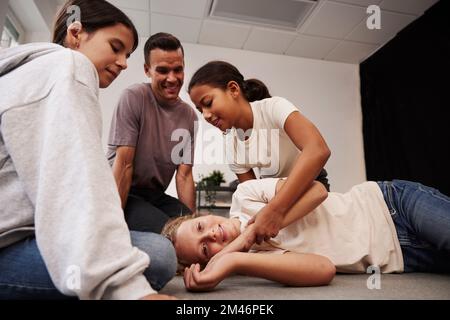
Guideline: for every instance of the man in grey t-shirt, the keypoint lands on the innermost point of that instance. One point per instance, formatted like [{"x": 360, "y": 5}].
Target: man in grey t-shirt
[{"x": 152, "y": 137}]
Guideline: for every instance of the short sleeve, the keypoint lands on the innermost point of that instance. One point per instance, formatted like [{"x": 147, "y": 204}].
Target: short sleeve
[
  {"x": 252, "y": 195},
  {"x": 125, "y": 123},
  {"x": 279, "y": 109},
  {"x": 239, "y": 169}
]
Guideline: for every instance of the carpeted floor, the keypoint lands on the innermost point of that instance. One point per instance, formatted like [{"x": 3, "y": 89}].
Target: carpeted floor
[{"x": 351, "y": 287}]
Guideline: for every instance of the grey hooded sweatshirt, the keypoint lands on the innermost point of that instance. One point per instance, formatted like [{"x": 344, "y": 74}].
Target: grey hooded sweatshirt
[{"x": 55, "y": 181}]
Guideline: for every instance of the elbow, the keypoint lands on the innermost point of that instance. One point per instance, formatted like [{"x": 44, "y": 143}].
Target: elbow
[
  {"x": 321, "y": 191},
  {"x": 325, "y": 154},
  {"x": 123, "y": 165},
  {"x": 329, "y": 271},
  {"x": 129, "y": 167},
  {"x": 321, "y": 153}
]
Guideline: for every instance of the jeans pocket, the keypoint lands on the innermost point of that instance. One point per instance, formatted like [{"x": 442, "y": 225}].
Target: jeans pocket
[{"x": 390, "y": 199}]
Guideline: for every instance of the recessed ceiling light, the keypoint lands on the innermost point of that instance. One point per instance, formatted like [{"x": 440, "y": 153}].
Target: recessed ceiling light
[{"x": 286, "y": 14}]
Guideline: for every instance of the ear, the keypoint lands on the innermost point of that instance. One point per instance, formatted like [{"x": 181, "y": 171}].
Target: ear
[
  {"x": 73, "y": 38},
  {"x": 234, "y": 89},
  {"x": 147, "y": 70}
]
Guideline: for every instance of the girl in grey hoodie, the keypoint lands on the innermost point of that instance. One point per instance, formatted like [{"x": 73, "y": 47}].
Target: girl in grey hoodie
[{"x": 62, "y": 229}]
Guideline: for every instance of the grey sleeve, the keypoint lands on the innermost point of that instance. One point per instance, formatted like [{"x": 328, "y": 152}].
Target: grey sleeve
[
  {"x": 80, "y": 229},
  {"x": 125, "y": 124}
]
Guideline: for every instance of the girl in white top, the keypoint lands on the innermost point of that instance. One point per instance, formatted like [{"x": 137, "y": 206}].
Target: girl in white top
[
  {"x": 397, "y": 226},
  {"x": 270, "y": 134}
]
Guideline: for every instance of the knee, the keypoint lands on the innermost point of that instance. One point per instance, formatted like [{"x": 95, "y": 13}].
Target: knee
[
  {"x": 163, "y": 264},
  {"x": 163, "y": 259}
]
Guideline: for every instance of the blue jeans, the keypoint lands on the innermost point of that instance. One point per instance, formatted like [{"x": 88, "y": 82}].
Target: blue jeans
[
  {"x": 149, "y": 210},
  {"x": 23, "y": 274},
  {"x": 422, "y": 219}
]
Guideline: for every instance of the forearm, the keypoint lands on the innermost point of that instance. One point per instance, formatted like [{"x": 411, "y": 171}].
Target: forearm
[
  {"x": 306, "y": 169},
  {"x": 242, "y": 243},
  {"x": 312, "y": 198},
  {"x": 291, "y": 269},
  {"x": 123, "y": 174},
  {"x": 186, "y": 190}
]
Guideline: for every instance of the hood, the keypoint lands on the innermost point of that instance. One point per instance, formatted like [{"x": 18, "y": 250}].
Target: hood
[{"x": 13, "y": 58}]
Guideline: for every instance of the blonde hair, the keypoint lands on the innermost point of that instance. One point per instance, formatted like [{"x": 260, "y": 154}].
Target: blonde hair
[
  {"x": 171, "y": 227},
  {"x": 170, "y": 230}
]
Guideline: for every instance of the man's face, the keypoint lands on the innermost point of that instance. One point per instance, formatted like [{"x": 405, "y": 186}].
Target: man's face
[{"x": 166, "y": 70}]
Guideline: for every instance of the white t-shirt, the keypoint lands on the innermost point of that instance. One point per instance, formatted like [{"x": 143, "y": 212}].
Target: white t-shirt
[
  {"x": 268, "y": 148},
  {"x": 354, "y": 230}
]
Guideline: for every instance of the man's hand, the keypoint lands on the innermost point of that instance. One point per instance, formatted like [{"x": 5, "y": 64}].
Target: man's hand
[
  {"x": 211, "y": 276},
  {"x": 266, "y": 224}
]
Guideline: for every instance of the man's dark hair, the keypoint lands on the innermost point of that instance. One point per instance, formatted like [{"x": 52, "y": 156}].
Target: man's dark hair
[{"x": 163, "y": 41}]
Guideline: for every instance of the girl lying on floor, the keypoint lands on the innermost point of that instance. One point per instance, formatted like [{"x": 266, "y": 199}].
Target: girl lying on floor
[{"x": 397, "y": 226}]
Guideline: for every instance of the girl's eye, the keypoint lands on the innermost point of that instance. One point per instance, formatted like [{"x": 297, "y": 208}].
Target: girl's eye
[
  {"x": 115, "y": 50},
  {"x": 205, "y": 250},
  {"x": 208, "y": 104}
]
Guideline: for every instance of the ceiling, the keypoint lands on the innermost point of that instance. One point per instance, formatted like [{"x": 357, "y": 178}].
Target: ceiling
[{"x": 334, "y": 30}]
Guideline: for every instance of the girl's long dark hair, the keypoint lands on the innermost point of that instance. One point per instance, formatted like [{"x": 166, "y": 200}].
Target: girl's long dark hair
[
  {"x": 219, "y": 73},
  {"x": 94, "y": 15}
]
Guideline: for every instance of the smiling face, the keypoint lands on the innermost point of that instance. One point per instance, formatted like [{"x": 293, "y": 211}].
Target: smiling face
[
  {"x": 198, "y": 240},
  {"x": 219, "y": 107},
  {"x": 166, "y": 70},
  {"x": 108, "y": 48}
]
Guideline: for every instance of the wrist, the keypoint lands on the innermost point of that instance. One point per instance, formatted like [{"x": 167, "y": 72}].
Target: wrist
[
  {"x": 235, "y": 259},
  {"x": 274, "y": 208},
  {"x": 239, "y": 261}
]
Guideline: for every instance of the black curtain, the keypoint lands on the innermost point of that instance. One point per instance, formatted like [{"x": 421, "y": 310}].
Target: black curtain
[{"x": 405, "y": 92}]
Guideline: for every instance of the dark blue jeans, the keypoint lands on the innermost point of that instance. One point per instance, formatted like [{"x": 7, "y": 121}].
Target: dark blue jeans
[
  {"x": 149, "y": 210},
  {"x": 23, "y": 274},
  {"x": 422, "y": 218}
]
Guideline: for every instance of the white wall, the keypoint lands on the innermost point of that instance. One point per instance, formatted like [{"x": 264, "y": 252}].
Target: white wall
[
  {"x": 325, "y": 92},
  {"x": 3, "y": 11},
  {"x": 38, "y": 37}
]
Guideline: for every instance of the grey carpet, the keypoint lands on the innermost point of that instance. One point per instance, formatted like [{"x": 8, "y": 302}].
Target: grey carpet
[{"x": 346, "y": 287}]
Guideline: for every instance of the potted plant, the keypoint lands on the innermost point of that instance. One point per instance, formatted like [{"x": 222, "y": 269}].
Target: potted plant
[{"x": 214, "y": 179}]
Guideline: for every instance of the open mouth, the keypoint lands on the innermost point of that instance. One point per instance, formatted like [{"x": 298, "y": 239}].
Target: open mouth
[{"x": 171, "y": 89}]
